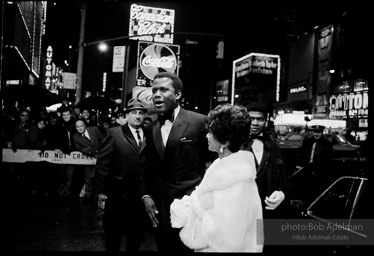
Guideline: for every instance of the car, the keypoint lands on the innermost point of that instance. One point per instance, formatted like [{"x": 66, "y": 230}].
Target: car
[
  {"x": 342, "y": 147},
  {"x": 346, "y": 206},
  {"x": 335, "y": 195},
  {"x": 292, "y": 140},
  {"x": 307, "y": 183}
]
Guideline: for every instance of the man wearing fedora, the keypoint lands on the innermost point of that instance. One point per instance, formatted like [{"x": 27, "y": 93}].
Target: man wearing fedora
[
  {"x": 316, "y": 148},
  {"x": 177, "y": 153},
  {"x": 118, "y": 177}
]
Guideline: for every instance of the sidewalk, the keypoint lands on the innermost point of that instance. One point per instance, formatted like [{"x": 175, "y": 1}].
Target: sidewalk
[{"x": 34, "y": 225}]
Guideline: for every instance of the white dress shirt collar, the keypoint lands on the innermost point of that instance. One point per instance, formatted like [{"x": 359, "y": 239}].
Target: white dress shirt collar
[{"x": 133, "y": 131}]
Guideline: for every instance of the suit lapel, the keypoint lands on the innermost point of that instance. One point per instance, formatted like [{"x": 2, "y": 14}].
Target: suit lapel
[
  {"x": 89, "y": 131},
  {"x": 157, "y": 138},
  {"x": 264, "y": 158},
  {"x": 177, "y": 130}
]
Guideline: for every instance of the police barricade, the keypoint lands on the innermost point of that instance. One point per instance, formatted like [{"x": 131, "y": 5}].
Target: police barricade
[{"x": 51, "y": 156}]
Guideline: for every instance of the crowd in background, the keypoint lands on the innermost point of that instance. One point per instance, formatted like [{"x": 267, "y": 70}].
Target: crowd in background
[{"x": 38, "y": 129}]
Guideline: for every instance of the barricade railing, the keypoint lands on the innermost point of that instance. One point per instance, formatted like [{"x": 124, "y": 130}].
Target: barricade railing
[{"x": 51, "y": 156}]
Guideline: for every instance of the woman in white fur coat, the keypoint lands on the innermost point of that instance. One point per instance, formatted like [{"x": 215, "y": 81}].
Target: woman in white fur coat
[{"x": 223, "y": 213}]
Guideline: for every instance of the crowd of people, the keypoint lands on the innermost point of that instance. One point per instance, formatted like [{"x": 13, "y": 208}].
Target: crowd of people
[
  {"x": 37, "y": 129},
  {"x": 201, "y": 182}
]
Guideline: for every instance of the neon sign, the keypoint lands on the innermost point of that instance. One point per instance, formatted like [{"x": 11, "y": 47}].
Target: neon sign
[
  {"x": 154, "y": 58},
  {"x": 353, "y": 104},
  {"x": 155, "y": 24},
  {"x": 48, "y": 68}
]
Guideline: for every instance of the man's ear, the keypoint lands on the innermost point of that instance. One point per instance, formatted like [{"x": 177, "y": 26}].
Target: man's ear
[{"x": 178, "y": 94}]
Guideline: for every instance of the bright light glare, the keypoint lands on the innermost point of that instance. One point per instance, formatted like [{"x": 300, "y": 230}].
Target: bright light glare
[{"x": 103, "y": 47}]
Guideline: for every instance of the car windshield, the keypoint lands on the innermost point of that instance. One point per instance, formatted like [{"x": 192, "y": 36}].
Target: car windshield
[
  {"x": 295, "y": 137},
  {"x": 337, "y": 139}
]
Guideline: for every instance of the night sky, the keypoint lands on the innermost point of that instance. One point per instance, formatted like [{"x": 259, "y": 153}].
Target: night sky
[{"x": 259, "y": 26}]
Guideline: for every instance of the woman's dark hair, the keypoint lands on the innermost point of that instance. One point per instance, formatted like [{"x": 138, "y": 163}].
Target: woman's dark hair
[{"x": 230, "y": 123}]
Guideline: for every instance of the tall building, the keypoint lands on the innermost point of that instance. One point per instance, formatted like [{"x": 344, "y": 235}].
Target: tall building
[{"x": 23, "y": 30}]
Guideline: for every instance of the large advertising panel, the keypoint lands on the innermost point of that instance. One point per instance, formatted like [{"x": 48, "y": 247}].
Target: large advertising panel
[
  {"x": 256, "y": 76},
  {"x": 155, "y": 24},
  {"x": 300, "y": 74},
  {"x": 324, "y": 46},
  {"x": 349, "y": 105},
  {"x": 154, "y": 58}
]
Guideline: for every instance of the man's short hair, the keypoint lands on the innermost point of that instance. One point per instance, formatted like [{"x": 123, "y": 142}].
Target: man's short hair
[
  {"x": 177, "y": 82},
  {"x": 258, "y": 107},
  {"x": 64, "y": 108}
]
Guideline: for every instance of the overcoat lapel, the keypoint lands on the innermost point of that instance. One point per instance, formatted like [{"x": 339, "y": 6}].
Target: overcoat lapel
[
  {"x": 144, "y": 143},
  {"x": 129, "y": 137}
]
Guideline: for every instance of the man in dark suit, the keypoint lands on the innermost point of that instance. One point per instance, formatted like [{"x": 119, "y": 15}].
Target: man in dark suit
[
  {"x": 88, "y": 141},
  {"x": 269, "y": 162},
  {"x": 316, "y": 149},
  {"x": 177, "y": 153},
  {"x": 118, "y": 176},
  {"x": 270, "y": 178}
]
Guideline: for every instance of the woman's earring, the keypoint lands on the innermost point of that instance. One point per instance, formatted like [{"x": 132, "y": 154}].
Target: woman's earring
[{"x": 221, "y": 149}]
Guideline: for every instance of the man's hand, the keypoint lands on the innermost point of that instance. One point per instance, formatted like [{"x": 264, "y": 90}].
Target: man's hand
[
  {"x": 58, "y": 151},
  {"x": 101, "y": 204},
  {"x": 274, "y": 200},
  {"x": 151, "y": 209}
]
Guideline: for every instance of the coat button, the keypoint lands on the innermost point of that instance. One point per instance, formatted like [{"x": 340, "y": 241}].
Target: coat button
[{"x": 176, "y": 182}]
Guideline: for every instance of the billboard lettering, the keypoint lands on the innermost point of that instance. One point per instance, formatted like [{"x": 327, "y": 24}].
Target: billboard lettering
[
  {"x": 151, "y": 24},
  {"x": 48, "y": 68},
  {"x": 354, "y": 105},
  {"x": 154, "y": 58},
  {"x": 256, "y": 76}
]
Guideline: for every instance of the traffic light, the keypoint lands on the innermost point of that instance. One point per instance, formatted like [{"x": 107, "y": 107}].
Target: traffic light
[{"x": 220, "y": 47}]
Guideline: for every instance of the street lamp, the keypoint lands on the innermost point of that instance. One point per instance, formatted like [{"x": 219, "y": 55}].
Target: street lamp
[{"x": 103, "y": 47}]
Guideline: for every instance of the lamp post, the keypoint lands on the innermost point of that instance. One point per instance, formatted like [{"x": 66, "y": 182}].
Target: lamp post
[{"x": 80, "y": 53}]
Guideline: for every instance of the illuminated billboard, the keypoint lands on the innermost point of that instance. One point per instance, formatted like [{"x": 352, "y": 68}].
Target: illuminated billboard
[
  {"x": 151, "y": 24},
  {"x": 256, "y": 77},
  {"x": 155, "y": 58},
  {"x": 349, "y": 105}
]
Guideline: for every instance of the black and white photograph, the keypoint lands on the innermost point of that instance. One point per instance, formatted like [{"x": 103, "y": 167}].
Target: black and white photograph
[{"x": 183, "y": 127}]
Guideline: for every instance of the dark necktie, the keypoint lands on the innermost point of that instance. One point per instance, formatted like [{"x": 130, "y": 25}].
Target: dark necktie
[
  {"x": 166, "y": 116},
  {"x": 84, "y": 136},
  {"x": 139, "y": 138}
]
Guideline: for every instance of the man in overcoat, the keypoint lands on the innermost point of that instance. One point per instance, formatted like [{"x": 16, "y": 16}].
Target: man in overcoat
[
  {"x": 316, "y": 149},
  {"x": 117, "y": 177},
  {"x": 88, "y": 141}
]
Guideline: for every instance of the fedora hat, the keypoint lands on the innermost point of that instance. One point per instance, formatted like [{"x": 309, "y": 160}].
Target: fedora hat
[
  {"x": 134, "y": 104},
  {"x": 317, "y": 128}
]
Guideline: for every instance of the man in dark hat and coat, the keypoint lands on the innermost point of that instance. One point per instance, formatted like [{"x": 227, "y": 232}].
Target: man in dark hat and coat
[
  {"x": 316, "y": 148},
  {"x": 117, "y": 179}
]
